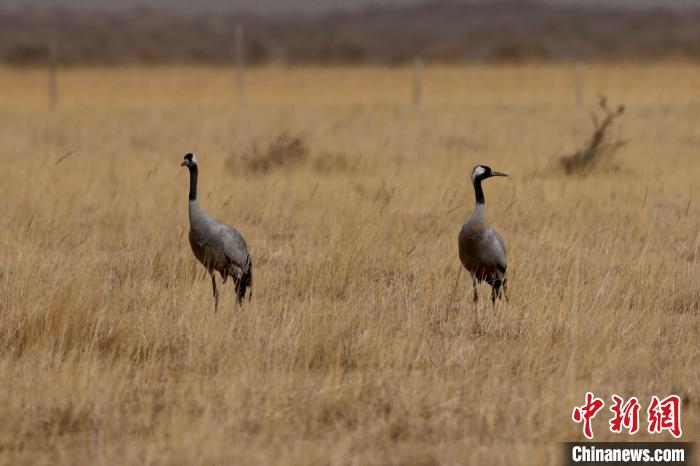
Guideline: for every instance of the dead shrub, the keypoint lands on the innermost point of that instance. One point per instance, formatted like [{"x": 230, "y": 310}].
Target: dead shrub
[
  {"x": 601, "y": 145},
  {"x": 283, "y": 152},
  {"x": 331, "y": 162}
]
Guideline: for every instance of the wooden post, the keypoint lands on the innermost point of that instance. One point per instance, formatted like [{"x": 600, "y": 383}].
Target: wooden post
[
  {"x": 417, "y": 81},
  {"x": 240, "y": 67},
  {"x": 53, "y": 75},
  {"x": 580, "y": 117}
]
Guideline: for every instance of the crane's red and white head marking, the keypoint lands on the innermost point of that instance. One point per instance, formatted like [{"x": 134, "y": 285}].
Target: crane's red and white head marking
[{"x": 189, "y": 160}]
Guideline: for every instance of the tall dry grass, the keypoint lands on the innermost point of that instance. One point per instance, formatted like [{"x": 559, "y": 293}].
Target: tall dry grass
[{"x": 353, "y": 349}]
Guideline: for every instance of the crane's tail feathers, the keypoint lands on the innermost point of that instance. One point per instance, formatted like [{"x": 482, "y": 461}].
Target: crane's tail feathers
[
  {"x": 245, "y": 282},
  {"x": 496, "y": 286}
]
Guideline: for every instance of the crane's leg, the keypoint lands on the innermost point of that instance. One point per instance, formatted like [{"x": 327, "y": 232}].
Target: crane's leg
[
  {"x": 216, "y": 292},
  {"x": 477, "y": 325}
]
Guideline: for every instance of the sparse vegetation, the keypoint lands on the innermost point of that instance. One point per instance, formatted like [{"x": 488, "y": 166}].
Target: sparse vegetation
[{"x": 351, "y": 350}]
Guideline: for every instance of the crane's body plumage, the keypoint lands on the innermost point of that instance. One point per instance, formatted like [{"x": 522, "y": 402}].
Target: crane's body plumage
[
  {"x": 481, "y": 249},
  {"x": 482, "y": 252},
  {"x": 217, "y": 246}
]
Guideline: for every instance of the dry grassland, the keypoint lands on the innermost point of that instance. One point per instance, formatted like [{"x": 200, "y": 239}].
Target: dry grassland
[{"x": 354, "y": 349}]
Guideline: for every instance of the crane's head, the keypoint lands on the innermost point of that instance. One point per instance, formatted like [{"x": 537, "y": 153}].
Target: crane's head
[
  {"x": 189, "y": 161},
  {"x": 481, "y": 172}
]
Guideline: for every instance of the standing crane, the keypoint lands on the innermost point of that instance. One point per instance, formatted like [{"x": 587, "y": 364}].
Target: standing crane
[
  {"x": 481, "y": 249},
  {"x": 216, "y": 245}
]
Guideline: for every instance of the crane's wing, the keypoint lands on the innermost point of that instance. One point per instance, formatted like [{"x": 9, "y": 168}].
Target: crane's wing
[
  {"x": 497, "y": 249},
  {"x": 234, "y": 248}
]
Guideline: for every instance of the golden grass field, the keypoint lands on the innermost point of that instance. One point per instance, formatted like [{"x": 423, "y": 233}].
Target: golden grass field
[{"x": 354, "y": 349}]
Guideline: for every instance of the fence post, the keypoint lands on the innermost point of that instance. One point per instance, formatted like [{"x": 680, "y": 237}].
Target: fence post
[
  {"x": 53, "y": 75},
  {"x": 240, "y": 67},
  {"x": 580, "y": 117},
  {"x": 417, "y": 81}
]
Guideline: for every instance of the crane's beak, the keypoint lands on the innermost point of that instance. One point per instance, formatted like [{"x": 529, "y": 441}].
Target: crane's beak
[
  {"x": 498, "y": 174},
  {"x": 184, "y": 163}
]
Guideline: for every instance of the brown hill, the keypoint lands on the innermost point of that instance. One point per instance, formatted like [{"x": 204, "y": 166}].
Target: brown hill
[{"x": 444, "y": 31}]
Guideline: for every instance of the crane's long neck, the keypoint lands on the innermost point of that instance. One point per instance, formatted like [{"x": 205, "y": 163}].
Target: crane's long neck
[
  {"x": 479, "y": 192},
  {"x": 193, "y": 182}
]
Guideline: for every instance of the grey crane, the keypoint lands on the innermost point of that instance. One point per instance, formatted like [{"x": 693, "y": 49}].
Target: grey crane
[
  {"x": 481, "y": 248},
  {"x": 216, "y": 245}
]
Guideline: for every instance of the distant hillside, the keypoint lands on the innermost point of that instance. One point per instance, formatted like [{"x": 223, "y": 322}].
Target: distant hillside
[
  {"x": 277, "y": 7},
  {"x": 443, "y": 31}
]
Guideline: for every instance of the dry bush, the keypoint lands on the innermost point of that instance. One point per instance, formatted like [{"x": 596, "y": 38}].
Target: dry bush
[
  {"x": 353, "y": 349},
  {"x": 284, "y": 151},
  {"x": 600, "y": 147},
  {"x": 333, "y": 162}
]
